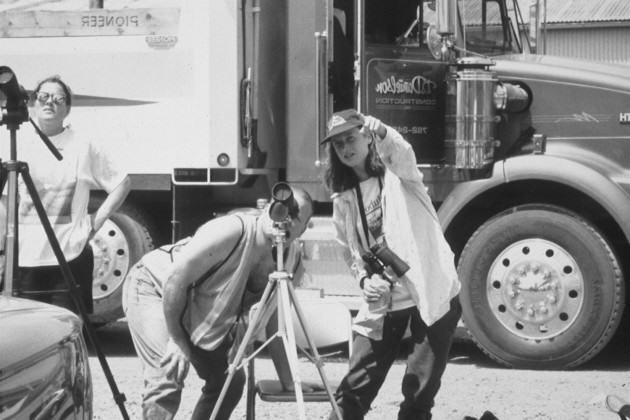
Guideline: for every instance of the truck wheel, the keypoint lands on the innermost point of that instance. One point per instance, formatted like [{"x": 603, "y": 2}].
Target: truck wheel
[
  {"x": 541, "y": 289},
  {"x": 122, "y": 240}
]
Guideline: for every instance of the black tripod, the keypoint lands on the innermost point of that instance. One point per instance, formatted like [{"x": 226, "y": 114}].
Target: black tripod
[{"x": 13, "y": 115}]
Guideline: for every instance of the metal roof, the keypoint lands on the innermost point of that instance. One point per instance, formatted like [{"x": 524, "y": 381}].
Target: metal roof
[
  {"x": 558, "y": 11},
  {"x": 582, "y": 11}
]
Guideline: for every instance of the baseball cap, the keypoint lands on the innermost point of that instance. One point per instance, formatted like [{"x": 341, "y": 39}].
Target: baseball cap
[{"x": 343, "y": 121}]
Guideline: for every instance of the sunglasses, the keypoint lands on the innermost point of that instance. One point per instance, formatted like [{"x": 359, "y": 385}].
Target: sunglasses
[{"x": 43, "y": 97}]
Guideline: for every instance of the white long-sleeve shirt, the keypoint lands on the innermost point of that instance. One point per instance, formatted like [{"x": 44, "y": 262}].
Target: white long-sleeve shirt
[{"x": 412, "y": 231}]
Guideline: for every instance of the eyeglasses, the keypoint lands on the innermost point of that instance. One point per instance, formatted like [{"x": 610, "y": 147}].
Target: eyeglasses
[{"x": 42, "y": 98}]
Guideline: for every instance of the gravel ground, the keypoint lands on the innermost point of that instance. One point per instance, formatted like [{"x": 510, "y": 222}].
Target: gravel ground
[{"x": 471, "y": 385}]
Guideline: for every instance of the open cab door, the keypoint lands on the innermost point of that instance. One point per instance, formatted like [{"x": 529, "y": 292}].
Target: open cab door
[
  {"x": 424, "y": 67},
  {"x": 401, "y": 82},
  {"x": 309, "y": 103}
]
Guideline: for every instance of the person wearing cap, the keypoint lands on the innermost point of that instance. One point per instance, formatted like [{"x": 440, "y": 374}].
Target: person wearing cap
[
  {"x": 379, "y": 199},
  {"x": 188, "y": 302}
]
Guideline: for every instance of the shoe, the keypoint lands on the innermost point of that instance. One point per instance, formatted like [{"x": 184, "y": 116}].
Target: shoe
[
  {"x": 619, "y": 406},
  {"x": 487, "y": 415}
]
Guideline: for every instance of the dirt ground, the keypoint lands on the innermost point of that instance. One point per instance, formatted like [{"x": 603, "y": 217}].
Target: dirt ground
[{"x": 471, "y": 384}]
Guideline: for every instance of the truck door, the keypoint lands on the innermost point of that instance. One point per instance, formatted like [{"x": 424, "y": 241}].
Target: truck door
[
  {"x": 309, "y": 103},
  {"x": 400, "y": 81}
]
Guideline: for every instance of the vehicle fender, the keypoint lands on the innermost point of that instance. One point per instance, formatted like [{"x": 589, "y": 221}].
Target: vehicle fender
[
  {"x": 593, "y": 181},
  {"x": 465, "y": 192}
]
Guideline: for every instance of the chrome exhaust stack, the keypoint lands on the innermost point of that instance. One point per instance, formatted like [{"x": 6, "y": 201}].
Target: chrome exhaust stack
[
  {"x": 474, "y": 99},
  {"x": 446, "y": 25}
]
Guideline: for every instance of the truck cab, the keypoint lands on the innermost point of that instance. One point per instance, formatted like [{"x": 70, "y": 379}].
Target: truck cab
[{"x": 523, "y": 156}]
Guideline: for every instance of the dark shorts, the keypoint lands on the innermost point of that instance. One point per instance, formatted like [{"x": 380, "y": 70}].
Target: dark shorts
[{"x": 47, "y": 283}]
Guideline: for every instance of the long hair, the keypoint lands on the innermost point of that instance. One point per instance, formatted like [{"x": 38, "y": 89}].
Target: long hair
[{"x": 339, "y": 177}]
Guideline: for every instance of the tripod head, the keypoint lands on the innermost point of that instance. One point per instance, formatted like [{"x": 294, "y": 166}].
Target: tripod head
[{"x": 14, "y": 105}]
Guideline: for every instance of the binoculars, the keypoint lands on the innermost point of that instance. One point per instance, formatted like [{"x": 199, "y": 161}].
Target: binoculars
[{"x": 381, "y": 257}]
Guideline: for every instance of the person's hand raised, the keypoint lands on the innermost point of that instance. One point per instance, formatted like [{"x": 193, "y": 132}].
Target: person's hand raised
[{"x": 375, "y": 125}]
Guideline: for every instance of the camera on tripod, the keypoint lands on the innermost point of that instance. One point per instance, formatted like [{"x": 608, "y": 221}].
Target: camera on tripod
[
  {"x": 282, "y": 210},
  {"x": 284, "y": 207},
  {"x": 14, "y": 105},
  {"x": 382, "y": 256}
]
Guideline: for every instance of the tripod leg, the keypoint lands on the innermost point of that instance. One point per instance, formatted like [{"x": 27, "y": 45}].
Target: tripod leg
[
  {"x": 285, "y": 324},
  {"x": 261, "y": 315},
  {"x": 311, "y": 343},
  {"x": 72, "y": 286},
  {"x": 11, "y": 255},
  {"x": 250, "y": 411}
]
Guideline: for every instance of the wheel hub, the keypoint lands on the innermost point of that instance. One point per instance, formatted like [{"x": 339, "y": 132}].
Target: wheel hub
[
  {"x": 111, "y": 260},
  {"x": 535, "y": 289}
]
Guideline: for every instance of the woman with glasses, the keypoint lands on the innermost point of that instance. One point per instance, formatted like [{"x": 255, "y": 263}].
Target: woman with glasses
[{"x": 64, "y": 189}]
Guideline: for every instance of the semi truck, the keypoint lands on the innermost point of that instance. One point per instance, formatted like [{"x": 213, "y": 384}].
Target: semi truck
[{"x": 208, "y": 104}]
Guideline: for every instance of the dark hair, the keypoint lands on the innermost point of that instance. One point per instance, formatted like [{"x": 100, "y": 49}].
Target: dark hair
[
  {"x": 55, "y": 79},
  {"x": 339, "y": 177}
]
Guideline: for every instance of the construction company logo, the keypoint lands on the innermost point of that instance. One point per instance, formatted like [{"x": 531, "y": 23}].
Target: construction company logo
[
  {"x": 418, "y": 85},
  {"x": 417, "y": 92},
  {"x": 624, "y": 118}
]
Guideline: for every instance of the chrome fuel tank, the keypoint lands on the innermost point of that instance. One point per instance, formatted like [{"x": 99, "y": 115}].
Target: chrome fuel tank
[{"x": 470, "y": 115}]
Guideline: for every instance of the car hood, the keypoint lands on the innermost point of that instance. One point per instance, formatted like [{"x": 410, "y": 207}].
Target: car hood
[{"x": 28, "y": 327}]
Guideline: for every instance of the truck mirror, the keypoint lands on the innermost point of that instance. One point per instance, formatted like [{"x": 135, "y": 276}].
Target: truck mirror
[{"x": 434, "y": 41}]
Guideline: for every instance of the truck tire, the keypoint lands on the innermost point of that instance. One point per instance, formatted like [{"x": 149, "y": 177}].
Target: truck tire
[
  {"x": 122, "y": 240},
  {"x": 541, "y": 289}
]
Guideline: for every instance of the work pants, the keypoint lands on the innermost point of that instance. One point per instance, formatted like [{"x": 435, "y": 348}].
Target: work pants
[
  {"x": 211, "y": 366},
  {"x": 145, "y": 317},
  {"x": 372, "y": 359}
]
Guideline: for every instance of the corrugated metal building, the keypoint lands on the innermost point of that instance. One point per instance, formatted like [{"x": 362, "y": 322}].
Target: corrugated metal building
[{"x": 591, "y": 29}]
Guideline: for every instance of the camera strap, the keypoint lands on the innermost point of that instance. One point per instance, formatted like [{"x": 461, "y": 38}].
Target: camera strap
[{"x": 366, "y": 229}]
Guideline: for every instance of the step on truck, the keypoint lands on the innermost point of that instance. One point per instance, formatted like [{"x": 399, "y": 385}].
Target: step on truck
[{"x": 208, "y": 104}]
